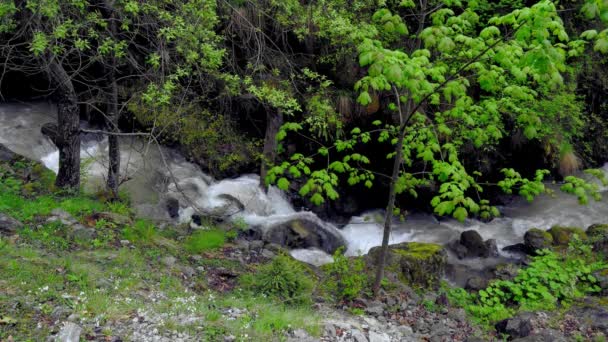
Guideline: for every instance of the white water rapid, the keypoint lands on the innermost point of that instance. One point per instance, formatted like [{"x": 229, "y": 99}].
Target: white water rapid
[{"x": 157, "y": 173}]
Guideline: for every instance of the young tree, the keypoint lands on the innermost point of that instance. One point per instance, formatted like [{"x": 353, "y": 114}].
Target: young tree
[{"x": 454, "y": 84}]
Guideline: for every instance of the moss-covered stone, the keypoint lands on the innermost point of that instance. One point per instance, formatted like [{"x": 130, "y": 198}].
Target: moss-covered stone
[
  {"x": 416, "y": 263},
  {"x": 563, "y": 235},
  {"x": 597, "y": 231},
  {"x": 536, "y": 239}
]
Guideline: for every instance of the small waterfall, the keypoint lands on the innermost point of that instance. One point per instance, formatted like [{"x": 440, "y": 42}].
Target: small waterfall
[{"x": 156, "y": 174}]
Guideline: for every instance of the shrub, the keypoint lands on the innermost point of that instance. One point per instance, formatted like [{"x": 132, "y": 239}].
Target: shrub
[
  {"x": 282, "y": 278},
  {"x": 550, "y": 279},
  {"x": 204, "y": 240},
  {"x": 345, "y": 277}
]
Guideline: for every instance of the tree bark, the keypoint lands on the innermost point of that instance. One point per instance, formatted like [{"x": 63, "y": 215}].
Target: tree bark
[
  {"x": 113, "y": 144},
  {"x": 67, "y": 138},
  {"x": 274, "y": 120},
  {"x": 388, "y": 218},
  {"x": 392, "y": 194}
]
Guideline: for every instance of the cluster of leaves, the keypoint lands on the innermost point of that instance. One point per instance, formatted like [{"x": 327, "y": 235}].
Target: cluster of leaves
[
  {"x": 345, "y": 278},
  {"x": 283, "y": 278},
  {"x": 550, "y": 279}
]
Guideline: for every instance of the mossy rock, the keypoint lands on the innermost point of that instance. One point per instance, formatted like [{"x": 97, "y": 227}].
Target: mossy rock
[
  {"x": 597, "y": 231},
  {"x": 536, "y": 239},
  {"x": 416, "y": 263},
  {"x": 563, "y": 235}
]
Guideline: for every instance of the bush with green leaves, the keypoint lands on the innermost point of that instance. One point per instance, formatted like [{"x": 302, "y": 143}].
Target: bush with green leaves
[
  {"x": 345, "y": 277},
  {"x": 283, "y": 278},
  {"x": 550, "y": 280}
]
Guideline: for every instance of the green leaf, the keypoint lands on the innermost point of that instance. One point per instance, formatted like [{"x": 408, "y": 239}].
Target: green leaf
[
  {"x": 283, "y": 184},
  {"x": 364, "y": 99},
  {"x": 460, "y": 214}
]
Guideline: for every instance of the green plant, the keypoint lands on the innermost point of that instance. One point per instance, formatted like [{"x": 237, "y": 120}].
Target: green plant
[
  {"x": 141, "y": 231},
  {"x": 550, "y": 279},
  {"x": 204, "y": 240},
  {"x": 282, "y": 278},
  {"x": 345, "y": 277}
]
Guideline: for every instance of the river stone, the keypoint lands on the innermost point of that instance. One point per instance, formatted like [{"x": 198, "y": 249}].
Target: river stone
[
  {"x": 302, "y": 232},
  {"x": 172, "y": 205},
  {"x": 416, "y": 263},
  {"x": 8, "y": 225},
  {"x": 536, "y": 239},
  {"x": 70, "y": 332},
  {"x": 563, "y": 235},
  {"x": 6, "y": 154},
  {"x": 474, "y": 244},
  {"x": 476, "y": 284},
  {"x": 598, "y": 231}
]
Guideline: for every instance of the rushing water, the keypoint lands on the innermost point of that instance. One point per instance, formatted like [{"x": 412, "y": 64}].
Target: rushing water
[{"x": 156, "y": 173}]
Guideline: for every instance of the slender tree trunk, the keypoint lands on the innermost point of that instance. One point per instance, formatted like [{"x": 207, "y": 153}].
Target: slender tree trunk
[
  {"x": 392, "y": 194},
  {"x": 67, "y": 136},
  {"x": 113, "y": 180},
  {"x": 274, "y": 120},
  {"x": 113, "y": 144},
  {"x": 388, "y": 218}
]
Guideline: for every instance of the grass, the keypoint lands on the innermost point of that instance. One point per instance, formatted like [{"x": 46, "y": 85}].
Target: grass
[{"x": 205, "y": 240}]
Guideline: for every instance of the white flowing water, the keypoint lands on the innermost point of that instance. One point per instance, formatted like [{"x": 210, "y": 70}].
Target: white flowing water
[{"x": 157, "y": 173}]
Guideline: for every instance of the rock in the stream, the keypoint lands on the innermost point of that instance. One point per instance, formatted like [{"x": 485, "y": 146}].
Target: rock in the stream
[
  {"x": 536, "y": 239},
  {"x": 474, "y": 244},
  {"x": 563, "y": 235},
  {"x": 6, "y": 154},
  {"x": 8, "y": 225},
  {"x": 302, "y": 232},
  {"x": 70, "y": 332},
  {"x": 172, "y": 205},
  {"x": 416, "y": 263},
  {"x": 597, "y": 231}
]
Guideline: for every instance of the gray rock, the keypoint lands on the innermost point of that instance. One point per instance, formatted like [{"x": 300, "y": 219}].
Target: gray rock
[
  {"x": 476, "y": 284},
  {"x": 188, "y": 271},
  {"x": 6, "y": 154},
  {"x": 168, "y": 260},
  {"x": 374, "y": 308},
  {"x": 242, "y": 244},
  {"x": 8, "y": 225},
  {"x": 70, "y": 332},
  {"x": 305, "y": 231},
  {"x": 256, "y": 244},
  {"x": 474, "y": 244},
  {"x": 516, "y": 327},
  {"x": 405, "y": 330},
  {"x": 358, "y": 336},
  {"x": 82, "y": 233},
  {"x": 545, "y": 335},
  {"x": 378, "y": 337},
  {"x": 329, "y": 330},
  {"x": 492, "y": 247},
  {"x": 268, "y": 254}
]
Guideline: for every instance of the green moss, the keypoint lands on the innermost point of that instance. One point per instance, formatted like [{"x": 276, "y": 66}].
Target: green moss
[
  {"x": 419, "y": 250},
  {"x": 545, "y": 234},
  {"x": 204, "y": 240},
  {"x": 563, "y": 235}
]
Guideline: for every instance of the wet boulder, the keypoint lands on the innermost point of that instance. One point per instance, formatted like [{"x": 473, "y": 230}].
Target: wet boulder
[
  {"x": 536, "y": 239},
  {"x": 563, "y": 235},
  {"x": 597, "y": 231},
  {"x": 304, "y": 232},
  {"x": 6, "y": 154},
  {"x": 516, "y": 327},
  {"x": 172, "y": 205},
  {"x": 416, "y": 263},
  {"x": 230, "y": 205},
  {"x": 472, "y": 245}
]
